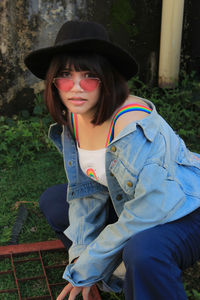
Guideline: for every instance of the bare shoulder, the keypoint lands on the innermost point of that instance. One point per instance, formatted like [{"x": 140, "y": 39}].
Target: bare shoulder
[{"x": 131, "y": 116}]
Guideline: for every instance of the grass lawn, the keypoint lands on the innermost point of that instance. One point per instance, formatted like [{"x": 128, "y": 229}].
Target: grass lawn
[{"x": 24, "y": 184}]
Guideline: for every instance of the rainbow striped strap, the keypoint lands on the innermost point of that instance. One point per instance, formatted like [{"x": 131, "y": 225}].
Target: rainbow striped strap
[
  {"x": 75, "y": 125},
  {"x": 121, "y": 111}
]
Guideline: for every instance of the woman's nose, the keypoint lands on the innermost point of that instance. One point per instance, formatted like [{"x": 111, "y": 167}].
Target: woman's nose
[{"x": 76, "y": 86}]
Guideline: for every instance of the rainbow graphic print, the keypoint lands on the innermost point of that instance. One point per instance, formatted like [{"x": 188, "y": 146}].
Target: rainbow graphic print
[{"x": 91, "y": 173}]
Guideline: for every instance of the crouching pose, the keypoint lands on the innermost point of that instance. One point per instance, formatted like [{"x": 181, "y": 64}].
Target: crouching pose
[{"x": 129, "y": 213}]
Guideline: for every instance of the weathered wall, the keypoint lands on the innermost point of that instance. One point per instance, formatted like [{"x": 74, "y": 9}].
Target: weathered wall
[{"x": 25, "y": 26}]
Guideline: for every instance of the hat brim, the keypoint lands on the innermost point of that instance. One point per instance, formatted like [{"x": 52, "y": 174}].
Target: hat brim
[{"x": 38, "y": 61}]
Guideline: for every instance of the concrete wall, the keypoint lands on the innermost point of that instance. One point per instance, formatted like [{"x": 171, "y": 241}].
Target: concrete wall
[{"x": 25, "y": 26}]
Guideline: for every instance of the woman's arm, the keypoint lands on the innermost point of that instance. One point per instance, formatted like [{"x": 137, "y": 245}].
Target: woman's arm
[{"x": 87, "y": 218}]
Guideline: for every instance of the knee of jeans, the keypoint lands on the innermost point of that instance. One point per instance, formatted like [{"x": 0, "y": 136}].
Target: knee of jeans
[
  {"x": 51, "y": 195},
  {"x": 142, "y": 250},
  {"x": 44, "y": 201},
  {"x": 133, "y": 250},
  {"x": 54, "y": 207}
]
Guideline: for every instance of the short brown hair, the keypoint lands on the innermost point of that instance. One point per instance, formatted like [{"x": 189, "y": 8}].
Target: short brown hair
[{"x": 114, "y": 88}]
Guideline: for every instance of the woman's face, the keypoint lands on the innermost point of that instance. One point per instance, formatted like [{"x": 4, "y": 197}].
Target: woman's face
[{"x": 79, "y": 97}]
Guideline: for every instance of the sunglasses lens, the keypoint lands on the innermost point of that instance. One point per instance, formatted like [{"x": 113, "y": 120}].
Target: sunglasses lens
[
  {"x": 63, "y": 84},
  {"x": 89, "y": 84},
  {"x": 66, "y": 84}
]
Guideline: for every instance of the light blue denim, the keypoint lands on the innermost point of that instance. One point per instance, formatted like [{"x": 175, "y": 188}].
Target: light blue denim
[{"x": 152, "y": 179}]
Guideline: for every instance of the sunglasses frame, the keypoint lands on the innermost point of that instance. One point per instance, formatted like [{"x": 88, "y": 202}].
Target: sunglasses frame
[{"x": 99, "y": 81}]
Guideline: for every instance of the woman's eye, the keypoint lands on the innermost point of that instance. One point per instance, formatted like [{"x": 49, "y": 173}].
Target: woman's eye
[
  {"x": 65, "y": 74},
  {"x": 90, "y": 75}
]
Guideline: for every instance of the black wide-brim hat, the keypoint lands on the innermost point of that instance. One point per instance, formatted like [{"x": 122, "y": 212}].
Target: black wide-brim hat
[{"x": 82, "y": 37}]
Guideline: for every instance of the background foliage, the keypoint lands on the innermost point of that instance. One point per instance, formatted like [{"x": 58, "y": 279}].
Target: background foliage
[{"x": 180, "y": 106}]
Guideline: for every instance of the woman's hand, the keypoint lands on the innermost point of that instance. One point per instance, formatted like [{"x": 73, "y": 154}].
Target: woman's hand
[{"x": 73, "y": 291}]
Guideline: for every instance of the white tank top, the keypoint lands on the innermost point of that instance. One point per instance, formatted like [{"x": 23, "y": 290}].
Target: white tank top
[{"x": 92, "y": 163}]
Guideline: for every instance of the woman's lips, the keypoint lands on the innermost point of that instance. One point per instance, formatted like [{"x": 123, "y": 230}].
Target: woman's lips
[{"x": 77, "y": 101}]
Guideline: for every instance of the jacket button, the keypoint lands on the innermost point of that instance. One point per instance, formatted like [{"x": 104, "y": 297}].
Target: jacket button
[
  {"x": 119, "y": 197},
  {"x": 130, "y": 184},
  {"x": 69, "y": 163},
  {"x": 113, "y": 149}
]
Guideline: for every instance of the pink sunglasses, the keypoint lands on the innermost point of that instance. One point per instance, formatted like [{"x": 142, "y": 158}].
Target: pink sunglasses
[{"x": 66, "y": 84}]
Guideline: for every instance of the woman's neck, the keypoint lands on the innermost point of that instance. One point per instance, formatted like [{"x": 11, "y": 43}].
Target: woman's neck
[
  {"x": 91, "y": 137},
  {"x": 85, "y": 120}
]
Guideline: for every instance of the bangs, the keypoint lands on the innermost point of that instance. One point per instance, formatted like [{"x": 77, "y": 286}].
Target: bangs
[{"x": 81, "y": 62}]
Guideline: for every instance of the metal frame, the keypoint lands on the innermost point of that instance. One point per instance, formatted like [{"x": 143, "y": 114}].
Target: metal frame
[
  {"x": 18, "y": 251},
  {"x": 13, "y": 251}
]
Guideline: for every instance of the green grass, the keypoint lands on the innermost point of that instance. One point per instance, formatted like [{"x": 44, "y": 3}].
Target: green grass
[
  {"x": 33, "y": 288},
  {"x": 7, "y": 282},
  {"x": 5, "y": 264},
  {"x": 24, "y": 184},
  {"x": 29, "y": 164}
]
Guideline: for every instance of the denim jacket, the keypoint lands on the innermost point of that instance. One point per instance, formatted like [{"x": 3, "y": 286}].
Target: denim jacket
[{"x": 152, "y": 179}]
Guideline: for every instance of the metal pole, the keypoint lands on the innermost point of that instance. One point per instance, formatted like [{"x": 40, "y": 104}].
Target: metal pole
[{"x": 170, "y": 42}]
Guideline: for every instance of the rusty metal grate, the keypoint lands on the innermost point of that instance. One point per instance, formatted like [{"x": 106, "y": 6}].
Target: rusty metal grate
[{"x": 14, "y": 257}]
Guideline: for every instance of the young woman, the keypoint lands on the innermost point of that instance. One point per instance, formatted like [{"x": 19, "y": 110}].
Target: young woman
[{"x": 129, "y": 214}]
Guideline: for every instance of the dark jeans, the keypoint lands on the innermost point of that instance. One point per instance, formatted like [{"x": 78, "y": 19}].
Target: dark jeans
[{"x": 153, "y": 258}]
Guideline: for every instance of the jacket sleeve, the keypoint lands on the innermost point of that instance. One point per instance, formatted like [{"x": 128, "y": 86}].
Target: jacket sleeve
[
  {"x": 156, "y": 197},
  {"x": 87, "y": 218}
]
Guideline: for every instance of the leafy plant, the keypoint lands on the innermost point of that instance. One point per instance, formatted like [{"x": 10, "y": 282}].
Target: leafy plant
[
  {"x": 23, "y": 137},
  {"x": 122, "y": 15},
  {"x": 180, "y": 107}
]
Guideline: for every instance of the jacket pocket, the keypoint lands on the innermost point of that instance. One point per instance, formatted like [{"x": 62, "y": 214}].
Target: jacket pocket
[
  {"x": 126, "y": 179},
  {"x": 188, "y": 170}
]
